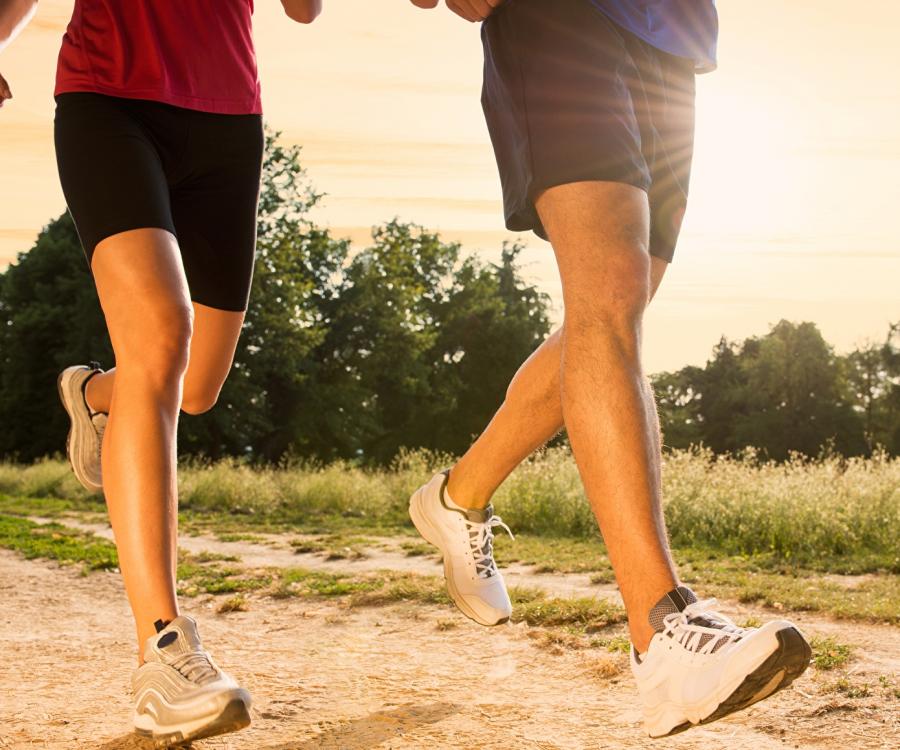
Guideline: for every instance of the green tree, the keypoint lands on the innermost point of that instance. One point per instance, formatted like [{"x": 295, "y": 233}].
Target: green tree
[
  {"x": 488, "y": 325},
  {"x": 269, "y": 402},
  {"x": 679, "y": 398},
  {"x": 723, "y": 396},
  {"x": 49, "y": 318},
  {"x": 796, "y": 396},
  {"x": 422, "y": 344},
  {"x": 889, "y": 405},
  {"x": 873, "y": 374}
]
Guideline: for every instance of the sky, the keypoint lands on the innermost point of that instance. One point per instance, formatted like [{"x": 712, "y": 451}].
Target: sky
[{"x": 795, "y": 196}]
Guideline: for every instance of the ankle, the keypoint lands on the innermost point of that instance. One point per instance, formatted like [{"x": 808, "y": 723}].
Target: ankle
[
  {"x": 462, "y": 495},
  {"x": 641, "y": 637},
  {"x": 92, "y": 396}
]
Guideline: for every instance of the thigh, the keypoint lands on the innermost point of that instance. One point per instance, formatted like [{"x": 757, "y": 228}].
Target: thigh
[
  {"x": 143, "y": 292},
  {"x": 215, "y": 207},
  {"x": 600, "y": 235},
  {"x": 213, "y": 344},
  {"x": 110, "y": 169}
]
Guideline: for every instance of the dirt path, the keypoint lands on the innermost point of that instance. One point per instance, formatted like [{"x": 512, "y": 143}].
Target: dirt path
[
  {"x": 324, "y": 676},
  {"x": 276, "y": 551}
]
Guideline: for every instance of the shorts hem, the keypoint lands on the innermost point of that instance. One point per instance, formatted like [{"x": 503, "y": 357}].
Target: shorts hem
[
  {"x": 526, "y": 218},
  {"x": 105, "y": 235}
]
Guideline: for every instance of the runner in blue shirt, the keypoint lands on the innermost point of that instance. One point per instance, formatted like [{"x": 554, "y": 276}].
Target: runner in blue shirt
[{"x": 590, "y": 108}]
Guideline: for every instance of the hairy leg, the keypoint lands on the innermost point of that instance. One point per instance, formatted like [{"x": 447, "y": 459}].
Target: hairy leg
[
  {"x": 213, "y": 344},
  {"x": 600, "y": 233},
  {"x": 144, "y": 295},
  {"x": 530, "y": 415}
]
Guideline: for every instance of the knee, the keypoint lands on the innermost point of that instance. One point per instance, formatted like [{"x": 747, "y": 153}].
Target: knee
[
  {"x": 613, "y": 303},
  {"x": 198, "y": 402},
  {"x": 158, "y": 352}
]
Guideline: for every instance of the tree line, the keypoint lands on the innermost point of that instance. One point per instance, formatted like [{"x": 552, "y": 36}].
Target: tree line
[
  {"x": 409, "y": 343},
  {"x": 787, "y": 392}
]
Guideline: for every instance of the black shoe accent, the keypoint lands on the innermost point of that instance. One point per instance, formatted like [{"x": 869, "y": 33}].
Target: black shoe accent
[
  {"x": 95, "y": 370},
  {"x": 784, "y": 666},
  {"x": 167, "y": 639},
  {"x": 677, "y": 730},
  {"x": 161, "y": 625}
]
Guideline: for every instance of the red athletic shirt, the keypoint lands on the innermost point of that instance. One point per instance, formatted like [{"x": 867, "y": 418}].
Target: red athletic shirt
[{"x": 196, "y": 54}]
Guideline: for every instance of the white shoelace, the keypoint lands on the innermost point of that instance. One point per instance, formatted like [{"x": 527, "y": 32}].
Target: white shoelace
[
  {"x": 196, "y": 666},
  {"x": 481, "y": 540},
  {"x": 698, "y": 638}
]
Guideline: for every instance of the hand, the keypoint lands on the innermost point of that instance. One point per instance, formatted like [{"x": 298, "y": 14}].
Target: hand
[
  {"x": 471, "y": 10},
  {"x": 5, "y": 93}
]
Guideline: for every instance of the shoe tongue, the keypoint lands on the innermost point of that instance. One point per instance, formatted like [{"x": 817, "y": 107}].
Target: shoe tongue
[
  {"x": 676, "y": 600},
  {"x": 480, "y": 515}
]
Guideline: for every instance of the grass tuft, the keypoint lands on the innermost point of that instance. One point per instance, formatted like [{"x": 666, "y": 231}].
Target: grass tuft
[
  {"x": 236, "y": 603},
  {"x": 830, "y": 654}
]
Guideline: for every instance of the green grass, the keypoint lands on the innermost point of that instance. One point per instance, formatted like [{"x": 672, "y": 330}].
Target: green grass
[
  {"x": 890, "y": 687},
  {"x": 585, "y": 614},
  {"x": 851, "y": 689},
  {"x": 236, "y": 603},
  {"x": 617, "y": 644},
  {"x": 834, "y": 514},
  {"x": 759, "y": 533},
  {"x": 54, "y": 541},
  {"x": 750, "y": 581},
  {"x": 830, "y": 654},
  {"x": 762, "y": 579},
  {"x": 575, "y": 621},
  {"x": 417, "y": 549},
  {"x": 205, "y": 573}
]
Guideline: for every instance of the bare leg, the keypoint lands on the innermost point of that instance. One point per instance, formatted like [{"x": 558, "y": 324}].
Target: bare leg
[
  {"x": 589, "y": 376},
  {"x": 530, "y": 415},
  {"x": 216, "y": 333},
  {"x": 143, "y": 292},
  {"x": 150, "y": 318},
  {"x": 600, "y": 233}
]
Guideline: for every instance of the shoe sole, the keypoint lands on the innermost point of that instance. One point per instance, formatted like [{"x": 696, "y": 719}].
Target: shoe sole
[
  {"x": 430, "y": 535},
  {"x": 233, "y": 718},
  {"x": 76, "y": 436},
  {"x": 777, "y": 672}
]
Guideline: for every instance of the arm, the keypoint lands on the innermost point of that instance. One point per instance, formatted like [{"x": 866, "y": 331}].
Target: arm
[
  {"x": 14, "y": 14},
  {"x": 302, "y": 11}
]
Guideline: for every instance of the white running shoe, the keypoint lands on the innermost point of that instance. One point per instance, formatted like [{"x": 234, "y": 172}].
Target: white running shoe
[
  {"x": 180, "y": 693},
  {"x": 86, "y": 432},
  {"x": 466, "y": 541},
  {"x": 701, "y": 666}
]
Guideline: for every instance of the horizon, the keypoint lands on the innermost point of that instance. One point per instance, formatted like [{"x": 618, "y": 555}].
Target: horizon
[{"x": 778, "y": 225}]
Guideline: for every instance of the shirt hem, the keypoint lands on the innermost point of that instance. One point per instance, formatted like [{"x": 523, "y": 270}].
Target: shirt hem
[{"x": 199, "y": 104}]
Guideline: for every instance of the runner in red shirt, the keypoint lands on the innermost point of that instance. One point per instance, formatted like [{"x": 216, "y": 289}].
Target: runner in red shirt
[{"x": 159, "y": 143}]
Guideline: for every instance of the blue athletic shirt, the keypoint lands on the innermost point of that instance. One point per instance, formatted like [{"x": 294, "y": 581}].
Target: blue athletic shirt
[{"x": 686, "y": 28}]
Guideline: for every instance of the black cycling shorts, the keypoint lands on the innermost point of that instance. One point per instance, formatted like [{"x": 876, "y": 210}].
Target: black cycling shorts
[
  {"x": 569, "y": 96},
  {"x": 130, "y": 164}
]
